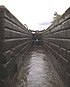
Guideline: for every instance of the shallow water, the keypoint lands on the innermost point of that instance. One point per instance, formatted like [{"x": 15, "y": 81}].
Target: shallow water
[{"x": 38, "y": 71}]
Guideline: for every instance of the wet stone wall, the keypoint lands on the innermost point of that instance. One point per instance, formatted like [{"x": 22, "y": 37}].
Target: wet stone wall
[
  {"x": 56, "y": 40},
  {"x": 15, "y": 40}
]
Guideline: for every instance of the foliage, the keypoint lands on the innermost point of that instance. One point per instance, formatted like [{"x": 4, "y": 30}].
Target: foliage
[{"x": 56, "y": 17}]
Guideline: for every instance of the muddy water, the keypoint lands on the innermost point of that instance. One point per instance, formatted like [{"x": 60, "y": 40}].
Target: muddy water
[{"x": 38, "y": 71}]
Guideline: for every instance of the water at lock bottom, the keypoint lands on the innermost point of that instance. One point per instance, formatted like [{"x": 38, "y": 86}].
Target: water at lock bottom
[{"x": 38, "y": 70}]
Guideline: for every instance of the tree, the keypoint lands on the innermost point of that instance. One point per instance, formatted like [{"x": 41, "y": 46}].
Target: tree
[{"x": 56, "y": 17}]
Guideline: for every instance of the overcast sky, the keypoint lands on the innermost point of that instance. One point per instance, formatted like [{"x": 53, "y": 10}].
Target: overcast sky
[{"x": 37, "y": 14}]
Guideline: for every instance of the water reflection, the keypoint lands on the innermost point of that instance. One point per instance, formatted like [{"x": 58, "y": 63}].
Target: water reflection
[
  {"x": 36, "y": 74},
  {"x": 38, "y": 71}
]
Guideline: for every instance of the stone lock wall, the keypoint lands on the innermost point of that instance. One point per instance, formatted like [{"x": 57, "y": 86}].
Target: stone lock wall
[
  {"x": 15, "y": 40},
  {"x": 56, "y": 40}
]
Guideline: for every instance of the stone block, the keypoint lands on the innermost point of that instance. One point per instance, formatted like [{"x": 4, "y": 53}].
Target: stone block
[
  {"x": 63, "y": 52},
  {"x": 62, "y": 60},
  {"x": 66, "y": 44},
  {"x": 18, "y": 61},
  {"x": 68, "y": 33},
  {"x": 66, "y": 24},
  {"x": 10, "y": 64},
  {"x": 3, "y": 72},
  {"x": 56, "y": 41},
  {"x": 66, "y": 79},
  {"x": 63, "y": 34},
  {"x": 59, "y": 27},
  {"x": 9, "y": 44},
  {"x": 7, "y": 33},
  {"x": 68, "y": 55},
  {"x": 7, "y": 55},
  {"x": 8, "y": 24},
  {"x": 55, "y": 35}
]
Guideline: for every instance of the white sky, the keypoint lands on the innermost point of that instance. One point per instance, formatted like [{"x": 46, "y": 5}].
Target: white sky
[{"x": 37, "y": 14}]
